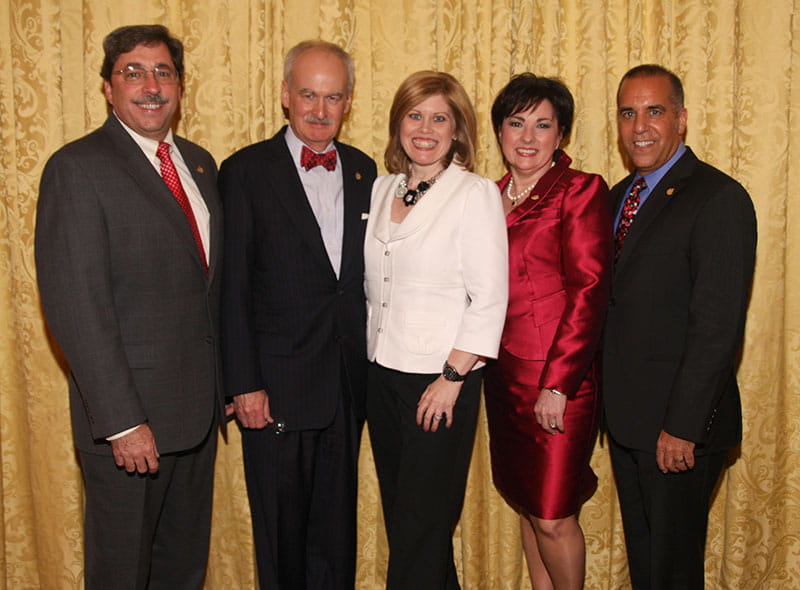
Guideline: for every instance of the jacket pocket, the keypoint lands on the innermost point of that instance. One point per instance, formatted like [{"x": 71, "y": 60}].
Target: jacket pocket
[{"x": 424, "y": 332}]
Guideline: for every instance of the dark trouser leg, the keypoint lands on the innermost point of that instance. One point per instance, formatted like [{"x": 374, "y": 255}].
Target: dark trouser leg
[
  {"x": 665, "y": 517},
  {"x": 302, "y": 490},
  {"x": 180, "y": 546},
  {"x": 144, "y": 531},
  {"x": 422, "y": 476}
]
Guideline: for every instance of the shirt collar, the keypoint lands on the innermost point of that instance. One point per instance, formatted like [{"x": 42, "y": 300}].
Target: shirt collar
[
  {"x": 147, "y": 145},
  {"x": 295, "y": 146},
  {"x": 655, "y": 176}
]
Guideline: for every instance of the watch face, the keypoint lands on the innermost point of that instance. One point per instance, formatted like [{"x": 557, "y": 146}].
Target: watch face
[{"x": 450, "y": 374}]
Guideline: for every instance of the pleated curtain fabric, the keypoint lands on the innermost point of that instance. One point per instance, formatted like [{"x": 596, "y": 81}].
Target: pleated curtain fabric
[{"x": 740, "y": 64}]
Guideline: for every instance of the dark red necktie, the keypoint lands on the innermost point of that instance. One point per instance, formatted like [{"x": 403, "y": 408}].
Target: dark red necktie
[
  {"x": 309, "y": 159},
  {"x": 629, "y": 210},
  {"x": 173, "y": 181}
]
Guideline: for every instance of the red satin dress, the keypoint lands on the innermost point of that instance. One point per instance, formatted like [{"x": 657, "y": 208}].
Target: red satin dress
[{"x": 560, "y": 248}]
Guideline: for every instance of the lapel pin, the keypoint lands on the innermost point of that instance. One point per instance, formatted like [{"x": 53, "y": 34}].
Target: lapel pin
[
  {"x": 200, "y": 169},
  {"x": 535, "y": 197},
  {"x": 670, "y": 191},
  {"x": 358, "y": 175}
]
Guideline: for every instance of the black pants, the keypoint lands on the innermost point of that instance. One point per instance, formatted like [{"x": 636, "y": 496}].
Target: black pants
[
  {"x": 665, "y": 517},
  {"x": 302, "y": 488},
  {"x": 422, "y": 476},
  {"x": 149, "y": 531}
]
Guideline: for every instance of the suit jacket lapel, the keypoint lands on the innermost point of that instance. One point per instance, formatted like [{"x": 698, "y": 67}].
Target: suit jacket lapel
[
  {"x": 153, "y": 186},
  {"x": 421, "y": 214},
  {"x": 207, "y": 184},
  {"x": 282, "y": 174},
  {"x": 541, "y": 191},
  {"x": 353, "y": 184},
  {"x": 661, "y": 194}
]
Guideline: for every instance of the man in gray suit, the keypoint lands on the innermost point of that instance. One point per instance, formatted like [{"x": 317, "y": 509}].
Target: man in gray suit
[{"x": 128, "y": 251}]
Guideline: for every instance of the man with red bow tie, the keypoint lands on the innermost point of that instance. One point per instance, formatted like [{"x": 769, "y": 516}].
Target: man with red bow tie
[{"x": 294, "y": 324}]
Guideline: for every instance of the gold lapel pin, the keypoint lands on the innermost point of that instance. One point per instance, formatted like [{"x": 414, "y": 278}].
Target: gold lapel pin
[
  {"x": 358, "y": 175},
  {"x": 670, "y": 191},
  {"x": 535, "y": 197},
  {"x": 200, "y": 169}
]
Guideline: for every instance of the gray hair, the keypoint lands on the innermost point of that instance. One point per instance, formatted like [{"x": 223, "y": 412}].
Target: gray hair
[{"x": 303, "y": 46}]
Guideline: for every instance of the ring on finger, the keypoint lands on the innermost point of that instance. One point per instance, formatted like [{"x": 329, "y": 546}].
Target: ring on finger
[{"x": 437, "y": 416}]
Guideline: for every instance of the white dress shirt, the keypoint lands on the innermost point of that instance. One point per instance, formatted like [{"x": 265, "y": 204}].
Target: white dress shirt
[
  {"x": 199, "y": 208},
  {"x": 325, "y": 193}
]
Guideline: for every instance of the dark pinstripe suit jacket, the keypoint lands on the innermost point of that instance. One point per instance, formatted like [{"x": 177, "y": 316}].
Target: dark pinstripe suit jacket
[{"x": 290, "y": 326}]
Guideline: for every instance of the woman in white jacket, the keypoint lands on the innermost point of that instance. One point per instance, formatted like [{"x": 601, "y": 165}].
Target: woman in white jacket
[{"x": 437, "y": 284}]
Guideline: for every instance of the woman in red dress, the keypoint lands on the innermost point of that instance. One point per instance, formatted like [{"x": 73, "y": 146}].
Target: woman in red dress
[{"x": 542, "y": 394}]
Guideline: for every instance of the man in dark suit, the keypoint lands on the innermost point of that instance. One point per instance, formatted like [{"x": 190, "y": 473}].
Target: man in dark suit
[
  {"x": 294, "y": 324},
  {"x": 128, "y": 253},
  {"x": 685, "y": 242}
]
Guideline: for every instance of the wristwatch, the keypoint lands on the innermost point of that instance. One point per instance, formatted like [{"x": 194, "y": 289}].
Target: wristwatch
[{"x": 450, "y": 374}]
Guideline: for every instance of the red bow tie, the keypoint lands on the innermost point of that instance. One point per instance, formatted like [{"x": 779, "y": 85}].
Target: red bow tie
[{"x": 309, "y": 159}]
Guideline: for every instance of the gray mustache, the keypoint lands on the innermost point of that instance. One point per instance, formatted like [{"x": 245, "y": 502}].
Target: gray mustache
[{"x": 317, "y": 120}]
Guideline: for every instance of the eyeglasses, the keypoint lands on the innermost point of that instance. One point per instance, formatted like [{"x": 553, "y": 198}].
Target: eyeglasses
[{"x": 137, "y": 74}]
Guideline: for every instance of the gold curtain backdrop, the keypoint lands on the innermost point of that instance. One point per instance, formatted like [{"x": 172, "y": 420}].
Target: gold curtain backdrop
[{"x": 740, "y": 62}]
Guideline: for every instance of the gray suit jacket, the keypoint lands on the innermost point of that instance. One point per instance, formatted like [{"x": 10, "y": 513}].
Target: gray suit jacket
[{"x": 124, "y": 292}]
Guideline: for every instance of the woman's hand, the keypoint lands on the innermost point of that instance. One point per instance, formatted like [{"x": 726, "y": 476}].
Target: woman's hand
[
  {"x": 436, "y": 404},
  {"x": 549, "y": 410}
]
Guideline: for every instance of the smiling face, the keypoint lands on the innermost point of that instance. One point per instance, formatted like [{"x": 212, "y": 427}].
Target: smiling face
[
  {"x": 147, "y": 108},
  {"x": 426, "y": 134},
  {"x": 528, "y": 140},
  {"x": 650, "y": 127},
  {"x": 316, "y": 97}
]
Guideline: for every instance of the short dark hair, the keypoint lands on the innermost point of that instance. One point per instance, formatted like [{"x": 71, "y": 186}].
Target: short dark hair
[
  {"x": 655, "y": 70},
  {"x": 527, "y": 90},
  {"x": 125, "y": 39},
  {"x": 417, "y": 88}
]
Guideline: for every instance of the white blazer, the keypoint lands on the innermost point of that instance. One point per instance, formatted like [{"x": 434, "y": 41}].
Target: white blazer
[{"x": 439, "y": 279}]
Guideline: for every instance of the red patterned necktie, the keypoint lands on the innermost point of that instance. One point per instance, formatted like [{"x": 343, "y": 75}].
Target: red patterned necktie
[
  {"x": 309, "y": 159},
  {"x": 629, "y": 210},
  {"x": 173, "y": 181}
]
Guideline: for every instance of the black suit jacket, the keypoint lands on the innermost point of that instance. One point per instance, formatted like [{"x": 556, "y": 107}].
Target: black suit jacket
[
  {"x": 290, "y": 326},
  {"x": 676, "y": 318},
  {"x": 124, "y": 292}
]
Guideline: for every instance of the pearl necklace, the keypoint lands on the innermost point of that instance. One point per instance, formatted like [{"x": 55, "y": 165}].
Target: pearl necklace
[{"x": 521, "y": 195}]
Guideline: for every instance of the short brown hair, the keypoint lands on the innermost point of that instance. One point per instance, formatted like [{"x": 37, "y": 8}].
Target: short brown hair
[
  {"x": 125, "y": 39},
  {"x": 415, "y": 89}
]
